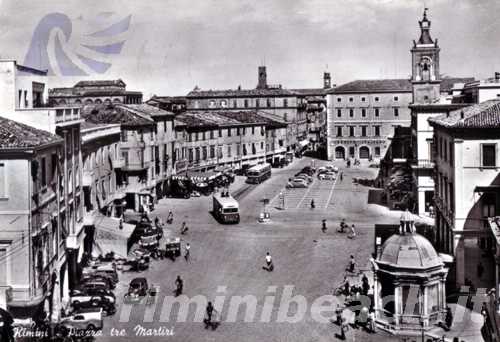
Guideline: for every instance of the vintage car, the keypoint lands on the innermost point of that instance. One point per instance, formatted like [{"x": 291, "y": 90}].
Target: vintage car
[
  {"x": 85, "y": 319},
  {"x": 85, "y": 302},
  {"x": 137, "y": 290},
  {"x": 297, "y": 183}
]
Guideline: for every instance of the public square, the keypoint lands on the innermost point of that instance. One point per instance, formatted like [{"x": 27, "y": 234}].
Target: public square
[{"x": 233, "y": 255}]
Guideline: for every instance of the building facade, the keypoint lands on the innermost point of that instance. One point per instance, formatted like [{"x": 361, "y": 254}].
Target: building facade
[
  {"x": 362, "y": 116},
  {"x": 210, "y": 139},
  {"x": 267, "y": 98},
  {"x": 23, "y": 100},
  {"x": 467, "y": 182},
  {"x": 94, "y": 92},
  {"x": 31, "y": 241}
]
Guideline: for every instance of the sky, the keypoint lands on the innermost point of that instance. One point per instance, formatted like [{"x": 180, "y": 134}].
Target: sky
[{"x": 169, "y": 47}]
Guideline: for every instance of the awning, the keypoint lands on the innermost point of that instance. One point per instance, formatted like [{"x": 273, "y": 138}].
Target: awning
[
  {"x": 303, "y": 143},
  {"x": 110, "y": 238},
  {"x": 488, "y": 188}
]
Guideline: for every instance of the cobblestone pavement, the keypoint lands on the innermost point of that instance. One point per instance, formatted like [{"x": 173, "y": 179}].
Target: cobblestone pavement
[{"x": 226, "y": 261}]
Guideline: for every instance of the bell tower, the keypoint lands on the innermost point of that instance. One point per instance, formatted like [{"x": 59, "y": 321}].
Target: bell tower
[{"x": 425, "y": 65}]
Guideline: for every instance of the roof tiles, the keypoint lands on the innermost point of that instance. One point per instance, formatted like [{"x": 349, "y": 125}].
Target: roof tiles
[
  {"x": 15, "y": 135},
  {"x": 482, "y": 115}
]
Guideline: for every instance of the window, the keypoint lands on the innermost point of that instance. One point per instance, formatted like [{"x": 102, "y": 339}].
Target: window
[
  {"x": 235, "y": 104},
  {"x": 488, "y": 155},
  {"x": 246, "y": 103},
  {"x": 204, "y": 153},
  {"x": 396, "y": 98},
  {"x": 261, "y": 145},
  {"x": 43, "y": 167},
  {"x": 339, "y": 113},
  {"x": 190, "y": 155},
  {"x": 363, "y": 99},
  {"x": 238, "y": 149},
  {"x": 229, "y": 151},
  {"x": 339, "y": 131},
  {"x": 285, "y": 103},
  {"x": 220, "y": 133},
  {"x": 396, "y": 111},
  {"x": 196, "y": 136},
  {"x": 351, "y": 131},
  {"x": 223, "y": 104},
  {"x": 257, "y": 103},
  {"x": 211, "y": 104},
  {"x": 377, "y": 99},
  {"x": 211, "y": 134},
  {"x": 125, "y": 157},
  {"x": 363, "y": 112},
  {"x": 212, "y": 151},
  {"x": 351, "y": 99},
  {"x": 229, "y": 132},
  {"x": 53, "y": 167},
  {"x": 238, "y": 131},
  {"x": 351, "y": 112},
  {"x": 253, "y": 130},
  {"x": 219, "y": 152},
  {"x": 3, "y": 181},
  {"x": 339, "y": 99},
  {"x": 197, "y": 154},
  {"x": 377, "y": 131},
  {"x": 268, "y": 102},
  {"x": 377, "y": 112},
  {"x": 124, "y": 136},
  {"x": 363, "y": 131},
  {"x": 377, "y": 151},
  {"x": 285, "y": 117},
  {"x": 164, "y": 126}
]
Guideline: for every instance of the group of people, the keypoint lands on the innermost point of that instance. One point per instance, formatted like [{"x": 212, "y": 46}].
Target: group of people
[{"x": 344, "y": 227}]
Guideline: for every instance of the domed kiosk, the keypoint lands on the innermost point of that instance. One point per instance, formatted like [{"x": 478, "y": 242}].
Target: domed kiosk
[{"x": 409, "y": 282}]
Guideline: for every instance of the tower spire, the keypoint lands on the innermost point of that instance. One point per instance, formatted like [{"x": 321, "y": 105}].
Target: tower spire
[{"x": 425, "y": 26}]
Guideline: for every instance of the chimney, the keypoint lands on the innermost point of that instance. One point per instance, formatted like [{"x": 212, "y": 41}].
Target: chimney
[
  {"x": 327, "y": 80},
  {"x": 497, "y": 76},
  {"x": 262, "y": 78}
]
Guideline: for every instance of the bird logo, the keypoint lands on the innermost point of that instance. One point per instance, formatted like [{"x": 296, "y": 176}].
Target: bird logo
[{"x": 78, "y": 47}]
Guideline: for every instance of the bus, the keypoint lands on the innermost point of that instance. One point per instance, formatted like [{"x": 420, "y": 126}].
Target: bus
[
  {"x": 258, "y": 173},
  {"x": 225, "y": 208}
]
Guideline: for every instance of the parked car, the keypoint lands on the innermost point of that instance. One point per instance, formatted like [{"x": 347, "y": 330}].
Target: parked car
[
  {"x": 98, "y": 277},
  {"x": 327, "y": 176},
  {"x": 332, "y": 168},
  {"x": 297, "y": 183},
  {"x": 309, "y": 170},
  {"x": 88, "y": 319},
  {"x": 85, "y": 302},
  {"x": 78, "y": 295},
  {"x": 137, "y": 289},
  {"x": 94, "y": 285},
  {"x": 111, "y": 275},
  {"x": 304, "y": 176}
]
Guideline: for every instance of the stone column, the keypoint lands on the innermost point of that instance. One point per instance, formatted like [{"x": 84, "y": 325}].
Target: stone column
[{"x": 397, "y": 300}]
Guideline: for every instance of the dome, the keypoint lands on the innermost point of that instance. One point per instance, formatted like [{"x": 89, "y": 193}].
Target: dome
[{"x": 409, "y": 251}]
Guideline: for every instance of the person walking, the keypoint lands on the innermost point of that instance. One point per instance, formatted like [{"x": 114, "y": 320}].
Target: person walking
[
  {"x": 312, "y": 204},
  {"x": 352, "y": 233},
  {"x": 323, "y": 226},
  {"x": 179, "y": 285},
  {"x": 187, "y": 249},
  {"x": 209, "y": 310},
  {"x": 184, "y": 228},
  {"x": 338, "y": 313},
  {"x": 344, "y": 327},
  {"x": 170, "y": 217},
  {"x": 352, "y": 264},
  {"x": 341, "y": 176},
  {"x": 343, "y": 225},
  {"x": 365, "y": 285}
]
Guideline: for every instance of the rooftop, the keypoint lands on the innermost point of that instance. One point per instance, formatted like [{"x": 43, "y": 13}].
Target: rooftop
[
  {"x": 409, "y": 251},
  {"x": 311, "y": 91},
  {"x": 240, "y": 93},
  {"x": 482, "y": 115},
  {"x": 368, "y": 86},
  {"x": 168, "y": 99},
  {"x": 103, "y": 114},
  {"x": 15, "y": 135},
  {"x": 100, "y": 83},
  {"x": 145, "y": 109},
  {"x": 201, "y": 119}
]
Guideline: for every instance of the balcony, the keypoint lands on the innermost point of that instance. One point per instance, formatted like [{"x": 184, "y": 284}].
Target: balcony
[
  {"x": 423, "y": 164},
  {"x": 136, "y": 166},
  {"x": 118, "y": 163},
  {"x": 67, "y": 115}
]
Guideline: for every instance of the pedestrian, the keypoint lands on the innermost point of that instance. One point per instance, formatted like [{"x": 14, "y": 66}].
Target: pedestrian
[
  {"x": 269, "y": 263},
  {"x": 210, "y": 309},
  {"x": 338, "y": 312},
  {"x": 323, "y": 226},
  {"x": 170, "y": 217},
  {"x": 343, "y": 225},
  {"x": 312, "y": 204},
  {"x": 480, "y": 270},
  {"x": 365, "y": 285},
  {"x": 347, "y": 286},
  {"x": 352, "y": 264},
  {"x": 187, "y": 248},
  {"x": 120, "y": 224},
  {"x": 352, "y": 233},
  {"x": 371, "y": 321},
  {"x": 448, "y": 320},
  {"x": 184, "y": 228},
  {"x": 179, "y": 284},
  {"x": 157, "y": 222},
  {"x": 341, "y": 176},
  {"x": 343, "y": 328}
]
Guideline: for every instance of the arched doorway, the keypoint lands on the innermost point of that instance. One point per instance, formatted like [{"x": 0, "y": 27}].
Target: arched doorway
[
  {"x": 364, "y": 152},
  {"x": 339, "y": 152}
]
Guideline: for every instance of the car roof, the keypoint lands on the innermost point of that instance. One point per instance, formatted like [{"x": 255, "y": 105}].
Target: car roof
[{"x": 138, "y": 280}]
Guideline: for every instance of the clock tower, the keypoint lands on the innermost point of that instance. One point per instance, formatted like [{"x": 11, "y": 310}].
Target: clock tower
[{"x": 425, "y": 65}]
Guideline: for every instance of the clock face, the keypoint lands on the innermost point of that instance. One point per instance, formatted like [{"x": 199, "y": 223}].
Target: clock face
[{"x": 425, "y": 24}]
